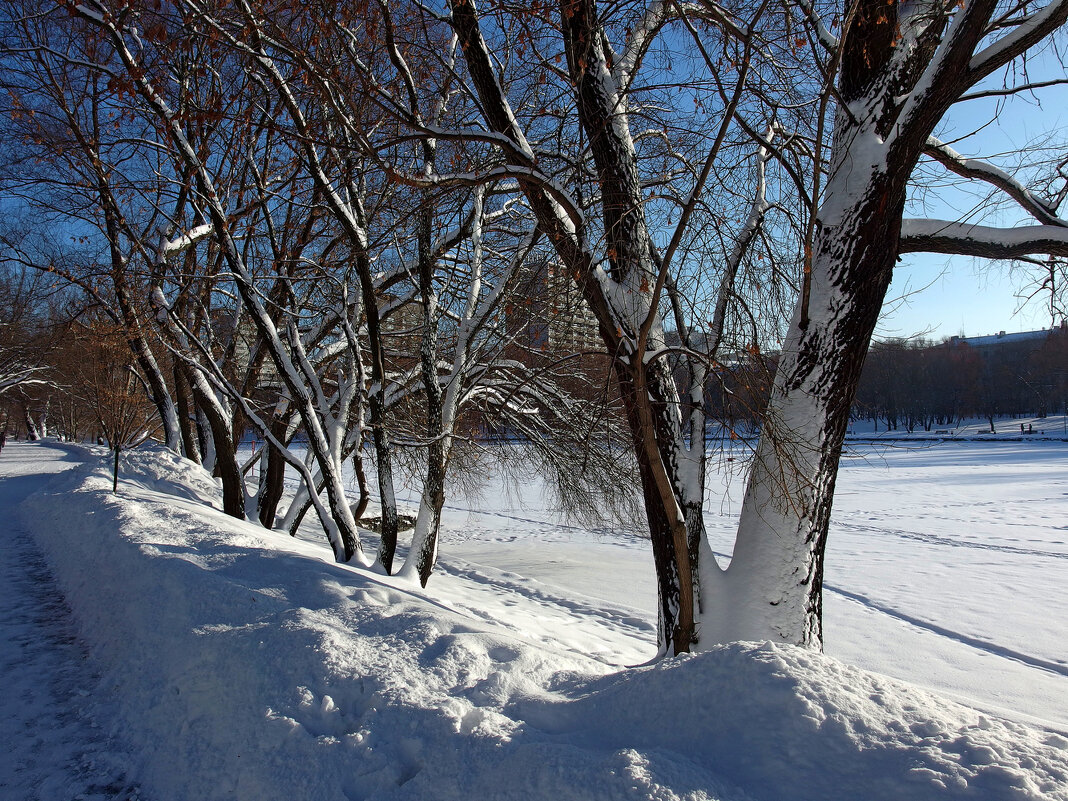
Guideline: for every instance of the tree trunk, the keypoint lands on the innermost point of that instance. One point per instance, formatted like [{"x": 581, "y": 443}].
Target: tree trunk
[
  {"x": 204, "y": 437},
  {"x": 190, "y": 444},
  {"x": 226, "y": 467},
  {"x": 361, "y": 481},
  {"x": 32, "y": 433},
  {"x": 387, "y": 544},
  {"x": 664, "y": 516},
  {"x": 648, "y": 389},
  {"x": 773, "y": 586},
  {"x": 424, "y": 550},
  {"x": 272, "y": 478}
]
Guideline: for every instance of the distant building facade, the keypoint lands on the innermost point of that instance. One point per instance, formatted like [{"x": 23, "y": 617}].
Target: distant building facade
[{"x": 547, "y": 314}]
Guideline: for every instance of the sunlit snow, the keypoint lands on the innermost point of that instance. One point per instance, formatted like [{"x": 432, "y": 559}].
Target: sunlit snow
[{"x": 226, "y": 661}]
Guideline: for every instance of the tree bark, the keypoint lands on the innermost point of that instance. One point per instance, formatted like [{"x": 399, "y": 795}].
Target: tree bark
[
  {"x": 226, "y": 467},
  {"x": 186, "y": 422},
  {"x": 272, "y": 483}
]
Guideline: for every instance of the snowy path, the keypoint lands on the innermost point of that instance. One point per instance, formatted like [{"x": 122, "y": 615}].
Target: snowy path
[{"x": 52, "y": 749}]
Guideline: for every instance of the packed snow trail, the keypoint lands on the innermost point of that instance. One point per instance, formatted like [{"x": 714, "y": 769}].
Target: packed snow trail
[{"x": 52, "y": 748}]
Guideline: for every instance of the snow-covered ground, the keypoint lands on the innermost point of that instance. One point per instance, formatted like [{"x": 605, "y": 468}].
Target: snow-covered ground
[
  {"x": 1054, "y": 426},
  {"x": 232, "y": 662}
]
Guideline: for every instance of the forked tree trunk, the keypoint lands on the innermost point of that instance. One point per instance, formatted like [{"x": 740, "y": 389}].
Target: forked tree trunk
[
  {"x": 648, "y": 389},
  {"x": 773, "y": 587}
]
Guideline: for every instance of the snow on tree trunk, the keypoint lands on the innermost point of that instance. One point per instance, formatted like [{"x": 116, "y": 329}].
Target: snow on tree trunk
[
  {"x": 384, "y": 468},
  {"x": 772, "y": 588},
  {"x": 160, "y": 395},
  {"x": 424, "y": 551},
  {"x": 298, "y": 376},
  {"x": 441, "y": 408},
  {"x": 204, "y": 437}
]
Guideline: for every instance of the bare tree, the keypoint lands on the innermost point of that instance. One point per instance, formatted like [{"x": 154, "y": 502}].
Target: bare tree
[
  {"x": 109, "y": 386},
  {"x": 897, "y": 70},
  {"x": 624, "y": 274},
  {"x": 66, "y": 142}
]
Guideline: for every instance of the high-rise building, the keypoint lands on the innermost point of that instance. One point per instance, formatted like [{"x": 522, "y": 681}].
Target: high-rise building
[{"x": 546, "y": 313}]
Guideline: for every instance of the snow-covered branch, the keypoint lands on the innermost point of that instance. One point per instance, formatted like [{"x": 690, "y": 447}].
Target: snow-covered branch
[
  {"x": 980, "y": 170},
  {"x": 179, "y": 244},
  {"x": 1028, "y": 31},
  {"x": 21, "y": 375},
  {"x": 827, "y": 39},
  {"x": 656, "y": 15},
  {"x": 964, "y": 239}
]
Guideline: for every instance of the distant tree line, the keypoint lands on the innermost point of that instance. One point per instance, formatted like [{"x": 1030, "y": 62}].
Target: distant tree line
[
  {"x": 918, "y": 384},
  {"x": 910, "y": 384}
]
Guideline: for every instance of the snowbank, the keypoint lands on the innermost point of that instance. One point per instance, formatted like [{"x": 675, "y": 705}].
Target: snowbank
[{"x": 245, "y": 664}]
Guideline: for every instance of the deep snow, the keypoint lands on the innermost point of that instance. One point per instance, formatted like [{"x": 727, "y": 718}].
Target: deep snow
[{"x": 234, "y": 662}]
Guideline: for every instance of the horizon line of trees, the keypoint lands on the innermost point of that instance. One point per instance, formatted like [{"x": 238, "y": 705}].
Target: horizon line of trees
[
  {"x": 919, "y": 384},
  {"x": 914, "y": 384}
]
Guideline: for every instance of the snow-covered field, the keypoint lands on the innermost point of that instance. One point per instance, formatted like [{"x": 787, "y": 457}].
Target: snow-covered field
[
  {"x": 1054, "y": 426},
  {"x": 232, "y": 662}
]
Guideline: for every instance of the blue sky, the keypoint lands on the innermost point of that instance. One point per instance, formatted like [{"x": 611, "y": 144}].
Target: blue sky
[
  {"x": 938, "y": 296},
  {"x": 941, "y": 296}
]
